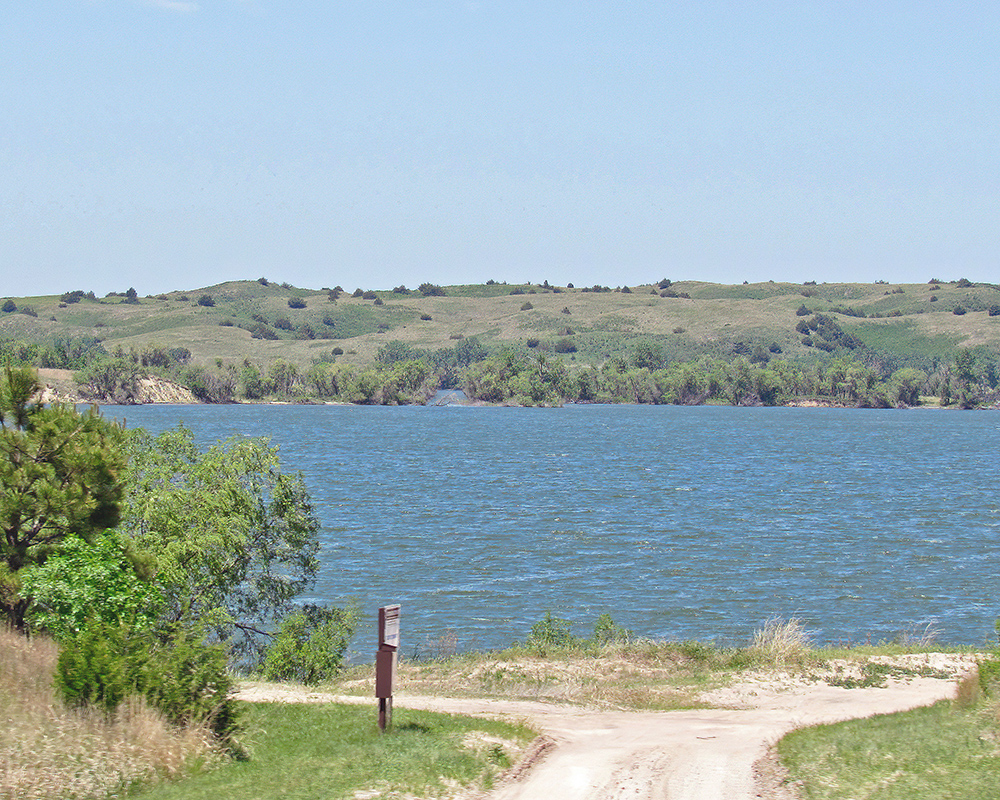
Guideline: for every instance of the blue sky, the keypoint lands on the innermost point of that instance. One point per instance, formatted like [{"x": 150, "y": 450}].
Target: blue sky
[{"x": 174, "y": 144}]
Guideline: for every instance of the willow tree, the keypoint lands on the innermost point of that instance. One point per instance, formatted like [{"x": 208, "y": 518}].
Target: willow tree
[
  {"x": 59, "y": 477},
  {"x": 233, "y": 539}
]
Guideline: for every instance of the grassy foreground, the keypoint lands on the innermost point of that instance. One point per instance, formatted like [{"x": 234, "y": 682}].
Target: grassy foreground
[
  {"x": 302, "y": 752},
  {"x": 49, "y": 751},
  {"x": 942, "y": 751}
]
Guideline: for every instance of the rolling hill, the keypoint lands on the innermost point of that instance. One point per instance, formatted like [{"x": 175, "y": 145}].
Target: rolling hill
[{"x": 906, "y": 324}]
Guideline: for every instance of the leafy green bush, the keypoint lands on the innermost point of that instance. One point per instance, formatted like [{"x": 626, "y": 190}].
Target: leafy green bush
[
  {"x": 394, "y": 351},
  {"x": 94, "y": 667},
  {"x": 607, "y": 631},
  {"x": 235, "y": 538},
  {"x": 296, "y": 302},
  {"x": 206, "y": 300},
  {"x": 549, "y": 632},
  {"x": 310, "y": 644},
  {"x": 188, "y": 680},
  {"x": 251, "y": 383},
  {"x": 176, "y": 671},
  {"x": 989, "y": 675},
  {"x": 89, "y": 580},
  {"x": 261, "y": 331}
]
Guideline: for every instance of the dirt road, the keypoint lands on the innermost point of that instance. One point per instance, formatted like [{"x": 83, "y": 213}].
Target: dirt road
[{"x": 682, "y": 755}]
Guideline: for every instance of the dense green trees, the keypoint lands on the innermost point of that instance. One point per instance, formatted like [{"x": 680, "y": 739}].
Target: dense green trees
[
  {"x": 152, "y": 561},
  {"x": 127, "y": 528},
  {"x": 516, "y": 378},
  {"x": 60, "y": 477}
]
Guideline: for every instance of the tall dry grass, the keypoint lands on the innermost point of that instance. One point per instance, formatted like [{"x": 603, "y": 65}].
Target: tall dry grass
[
  {"x": 781, "y": 642},
  {"x": 50, "y": 751}
]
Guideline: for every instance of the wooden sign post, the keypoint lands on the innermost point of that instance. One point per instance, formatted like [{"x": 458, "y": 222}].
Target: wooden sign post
[{"x": 385, "y": 663}]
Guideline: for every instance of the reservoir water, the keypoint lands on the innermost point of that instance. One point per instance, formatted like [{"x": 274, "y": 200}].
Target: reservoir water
[{"x": 681, "y": 522}]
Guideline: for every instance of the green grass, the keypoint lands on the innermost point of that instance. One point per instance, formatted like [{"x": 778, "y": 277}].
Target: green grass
[
  {"x": 940, "y": 751},
  {"x": 747, "y": 291},
  {"x": 482, "y": 290},
  {"x": 300, "y": 752},
  {"x": 901, "y": 337}
]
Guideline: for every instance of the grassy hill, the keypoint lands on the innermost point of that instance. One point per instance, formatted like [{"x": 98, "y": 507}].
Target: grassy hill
[{"x": 912, "y": 324}]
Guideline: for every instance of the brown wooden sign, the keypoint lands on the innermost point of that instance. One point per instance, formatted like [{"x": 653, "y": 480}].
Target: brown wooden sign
[
  {"x": 385, "y": 673},
  {"x": 385, "y": 662},
  {"x": 388, "y": 627}
]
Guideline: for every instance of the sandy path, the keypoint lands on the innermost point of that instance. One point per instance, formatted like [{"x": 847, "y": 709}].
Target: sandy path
[{"x": 682, "y": 755}]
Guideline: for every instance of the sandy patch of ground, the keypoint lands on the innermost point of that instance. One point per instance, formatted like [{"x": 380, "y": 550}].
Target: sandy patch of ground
[
  {"x": 58, "y": 386},
  {"x": 702, "y": 754}
]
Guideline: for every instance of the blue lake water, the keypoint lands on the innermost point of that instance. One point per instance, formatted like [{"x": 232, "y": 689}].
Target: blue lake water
[{"x": 680, "y": 522}]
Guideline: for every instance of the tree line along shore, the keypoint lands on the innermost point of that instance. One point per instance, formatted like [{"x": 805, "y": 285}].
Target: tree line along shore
[{"x": 854, "y": 345}]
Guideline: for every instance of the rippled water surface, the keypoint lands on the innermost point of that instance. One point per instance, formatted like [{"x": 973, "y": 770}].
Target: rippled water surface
[{"x": 680, "y": 522}]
